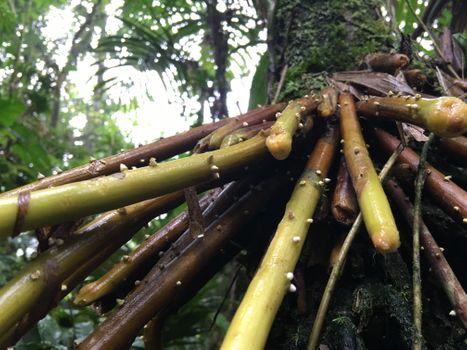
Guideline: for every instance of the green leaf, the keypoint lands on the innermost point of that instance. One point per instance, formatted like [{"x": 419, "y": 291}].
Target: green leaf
[
  {"x": 10, "y": 110},
  {"x": 259, "y": 85},
  {"x": 29, "y": 149}
]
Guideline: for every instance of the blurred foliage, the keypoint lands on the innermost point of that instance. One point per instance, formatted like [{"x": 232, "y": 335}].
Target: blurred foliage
[
  {"x": 190, "y": 327},
  {"x": 177, "y": 40},
  {"x": 31, "y": 68},
  {"x": 259, "y": 85},
  {"x": 174, "y": 39}
]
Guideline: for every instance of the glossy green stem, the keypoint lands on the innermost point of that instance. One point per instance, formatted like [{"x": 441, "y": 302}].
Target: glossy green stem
[
  {"x": 444, "y": 116},
  {"x": 72, "y": 201},
  {"x": 253, "y": 319},
  {"x": 372, "y": 200}
]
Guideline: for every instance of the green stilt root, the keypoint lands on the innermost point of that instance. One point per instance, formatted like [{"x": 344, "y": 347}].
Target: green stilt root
[
  {"x": 372, "y": 200},
  {"x": 251, "y": 324},
  {"x": 72, "y": 201},
  {"x": 279, "y": 142},
  {"x": 444, "y": 116}
]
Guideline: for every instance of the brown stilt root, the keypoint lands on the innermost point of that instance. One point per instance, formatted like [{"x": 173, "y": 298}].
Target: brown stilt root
[
  {"x": 455, "y": 146},
  {"x": 344, "y": 202},
  {"x": 434, "y": 255},
  {"x": 71, "y": 201},
  {"x": 153, "y": 245},
  {"x": 386, "y": 62},
  {"x": 152, "y": 333},
  {"x": 20, "y": 295},
  {"x": 160, "y": 150},
  {"x": 451, "y": 197},
  {"x": 152, "y": 295},
  {"x": 143, "y": 254}
]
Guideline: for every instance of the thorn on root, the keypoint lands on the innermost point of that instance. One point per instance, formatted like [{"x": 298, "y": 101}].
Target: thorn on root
[
  {"x": 123, "y": 167},
  {"x": 35, "y": 275},
  {"x": 152, "y": 162}
]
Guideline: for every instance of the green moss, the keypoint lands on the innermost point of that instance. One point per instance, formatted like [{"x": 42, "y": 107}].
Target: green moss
[
  {"x": 367, "y": 314},
  {"x": 317, "y": 36}
]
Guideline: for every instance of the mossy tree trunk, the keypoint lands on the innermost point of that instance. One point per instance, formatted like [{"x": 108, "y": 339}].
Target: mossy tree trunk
[{"x": 317, "y": 37}]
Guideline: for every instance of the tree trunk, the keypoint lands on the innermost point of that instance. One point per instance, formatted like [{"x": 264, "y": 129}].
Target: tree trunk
[{"x": 316, "y": 37}]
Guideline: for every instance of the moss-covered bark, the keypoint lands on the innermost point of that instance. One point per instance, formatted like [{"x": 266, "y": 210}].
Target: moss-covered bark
[{"x": 316, "y": 37}]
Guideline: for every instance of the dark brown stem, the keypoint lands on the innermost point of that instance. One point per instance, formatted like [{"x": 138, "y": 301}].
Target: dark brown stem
[
  {"x": 449, "y": 196},
  {"x": 160, "y": 150},
  {"x": 153, "y": 333},
  {"x": 434, "y": 255},
  {"x": 344, "y": 201},
  {"x": 76, "y": 256},
  {"x": 223, "y": 201},
  {"x": 299, "y": 280},
  {"x": 152, "y": 294},
  {"x": 456, "y": 146},
  {"x": 386, "y": 62},
  {"x": 145, "y": 253}
]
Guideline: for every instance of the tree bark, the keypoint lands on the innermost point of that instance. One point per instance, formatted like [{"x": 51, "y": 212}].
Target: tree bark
[{"x": 317, "y": 36}]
